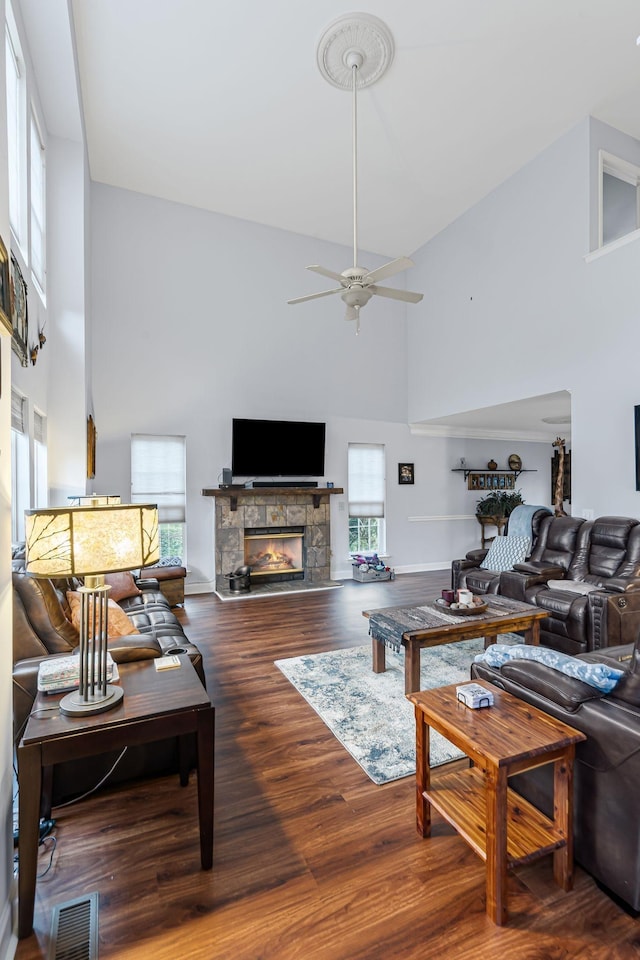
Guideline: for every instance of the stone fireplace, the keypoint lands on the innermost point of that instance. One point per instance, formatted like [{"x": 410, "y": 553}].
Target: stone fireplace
[{"x": 296, "y": 521}]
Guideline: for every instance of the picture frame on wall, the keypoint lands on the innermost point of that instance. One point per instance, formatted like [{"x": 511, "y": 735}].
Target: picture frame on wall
[
  {"x": 405, "y": 473},
  {"x": 19, "y": 313},
  {"x": 5, "y": 289}
]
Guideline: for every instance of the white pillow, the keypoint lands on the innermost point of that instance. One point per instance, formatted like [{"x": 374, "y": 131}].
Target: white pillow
[{"x": 504, "y": 552}]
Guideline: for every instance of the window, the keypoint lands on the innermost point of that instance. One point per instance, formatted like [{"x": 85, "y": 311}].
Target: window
[
  {"x": 38, "y": 205},
  {"x": 366, "y": 481},
  {"x": 619, "y": 198},
  {"x": 20, "y": 483},
  {"x": 16, "y": 130},
  {"x": 158, "y": 475},
  {"x": 40, "y": 460}
]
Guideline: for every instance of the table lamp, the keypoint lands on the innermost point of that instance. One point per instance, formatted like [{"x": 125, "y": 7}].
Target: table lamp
[{"x": 89, "y": 542}]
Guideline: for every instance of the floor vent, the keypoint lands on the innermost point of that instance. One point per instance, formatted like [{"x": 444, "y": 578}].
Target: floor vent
[{"x": 74, "y": 929}]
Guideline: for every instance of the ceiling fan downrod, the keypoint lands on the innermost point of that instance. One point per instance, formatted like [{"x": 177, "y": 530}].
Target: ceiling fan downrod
[{"x": 355, "y": 61}]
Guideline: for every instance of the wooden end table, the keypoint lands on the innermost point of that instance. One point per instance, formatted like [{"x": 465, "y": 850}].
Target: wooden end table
[
  {"x": 503, "y": 616},
  {"x": 156, "y": 705},
  {"x": 502, "y": 827}
]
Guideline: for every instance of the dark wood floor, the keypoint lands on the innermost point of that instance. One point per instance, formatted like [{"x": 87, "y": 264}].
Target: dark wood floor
[{"x": 312, "y": 860}]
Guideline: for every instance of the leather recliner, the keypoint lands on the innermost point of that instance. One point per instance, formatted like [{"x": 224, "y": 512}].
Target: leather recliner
[
  {"x": 468, "y": 573},
  {"x": 606, "y": 822},
  {"x": 606, "y": 563}
]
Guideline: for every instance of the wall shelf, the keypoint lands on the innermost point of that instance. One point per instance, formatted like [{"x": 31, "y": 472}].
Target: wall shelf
[{"x": 483, "y": 479}]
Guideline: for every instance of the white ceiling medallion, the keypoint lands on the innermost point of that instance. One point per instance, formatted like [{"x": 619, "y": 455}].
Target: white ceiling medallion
[{"x": 360, "y": 34}]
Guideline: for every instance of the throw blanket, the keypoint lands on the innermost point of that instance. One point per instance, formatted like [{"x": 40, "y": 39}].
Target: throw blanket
[
  {"x": 520, "y": 520},
  {"x": 390, "y": 623},
  {"x": 598, "y": 675}
]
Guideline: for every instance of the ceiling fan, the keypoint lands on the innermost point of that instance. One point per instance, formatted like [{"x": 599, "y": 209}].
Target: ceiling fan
[{"x": 354, "y": 51}]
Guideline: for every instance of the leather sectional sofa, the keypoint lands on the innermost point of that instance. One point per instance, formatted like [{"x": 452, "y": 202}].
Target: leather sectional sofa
[
  {"x": 42, "y": 628},
  {"x": 584, "y": 574},
  {"x": 607, "y": 769}
]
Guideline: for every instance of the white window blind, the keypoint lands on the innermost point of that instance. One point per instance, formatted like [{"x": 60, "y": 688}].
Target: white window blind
[
  {"x": 18, "y": 412},
  {"x": 16, "y": 128},
  {"x": 39, "y": 427},
  {"x": 366, "y": 480},
  {"x": 158, "y": 474}
]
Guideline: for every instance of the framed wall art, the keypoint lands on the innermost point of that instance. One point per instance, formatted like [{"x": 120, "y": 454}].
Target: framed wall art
[
  {"x": 405, "y": 473},
  {"x": 19, "y": 315},
  {"x": 5, "y": 289}
]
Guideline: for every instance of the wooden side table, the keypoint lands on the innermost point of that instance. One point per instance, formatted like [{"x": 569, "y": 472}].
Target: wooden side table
[
  {"x": 502, "y": 827},
  {"x": 498, "y": 522},
  {"x": 156, "y": 704}
]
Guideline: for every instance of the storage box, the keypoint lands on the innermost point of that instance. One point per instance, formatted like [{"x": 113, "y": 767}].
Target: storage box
[{"x": 365, "y": 576}]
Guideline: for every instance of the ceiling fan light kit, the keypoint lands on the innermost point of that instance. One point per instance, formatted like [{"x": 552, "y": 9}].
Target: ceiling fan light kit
[{"x": 353, "y": 53}]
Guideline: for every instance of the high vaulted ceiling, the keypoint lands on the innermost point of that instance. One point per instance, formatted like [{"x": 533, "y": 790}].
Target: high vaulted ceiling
[{"x": 221, "y": 105}]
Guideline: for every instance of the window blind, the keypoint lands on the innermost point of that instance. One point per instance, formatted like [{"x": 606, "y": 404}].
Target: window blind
[
  {"x": 18, "y": 412},
  {"x": 39, "y": 427},
  {"x": 366, "y": 479},
  {"x": 158, "y": 474}
]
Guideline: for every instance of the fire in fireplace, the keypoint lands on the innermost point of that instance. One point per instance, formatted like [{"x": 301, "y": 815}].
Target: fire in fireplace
[{"x": 275, "y": 553}]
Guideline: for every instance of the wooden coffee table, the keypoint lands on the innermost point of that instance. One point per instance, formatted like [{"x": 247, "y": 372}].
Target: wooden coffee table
[
  {"x": 431, "y": 629},
  {"x": 501, "y": 826},
  {"x": 156, "y": 705}
]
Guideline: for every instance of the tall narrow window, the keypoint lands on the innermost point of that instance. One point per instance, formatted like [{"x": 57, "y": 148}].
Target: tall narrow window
[
  {"x": 16, "y": 130},
  {"x": 619, "y": 198},
  {"x": 366, "y": 466},
  {"x": 20, "y": 483},
  {"x": 38, "y": 205},
  {"x": 158, "y": 475},
  {"x": 41, "y": 488}
]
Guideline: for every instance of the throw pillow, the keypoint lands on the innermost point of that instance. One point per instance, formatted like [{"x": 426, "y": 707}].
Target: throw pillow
[
  {"x": 122, "y": 586},
  {"x": 169, "y": 562},
  {"x": 119, "y": 623},
  {"x": 602, "y": 676},
  {"x": 504, "y": 552}
]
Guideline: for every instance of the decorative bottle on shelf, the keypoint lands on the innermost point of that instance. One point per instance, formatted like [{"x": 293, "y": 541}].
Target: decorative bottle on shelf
[{"x": 492, "y": 465}]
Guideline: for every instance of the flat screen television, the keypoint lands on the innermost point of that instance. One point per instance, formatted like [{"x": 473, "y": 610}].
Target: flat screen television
[{"x": 277, "y": 448}]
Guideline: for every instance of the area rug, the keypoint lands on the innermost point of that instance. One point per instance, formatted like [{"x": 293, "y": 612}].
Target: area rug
[{"x": 368, "y": 712}]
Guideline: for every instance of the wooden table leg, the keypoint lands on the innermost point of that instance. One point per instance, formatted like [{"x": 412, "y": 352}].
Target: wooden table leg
[
  {"x": 206, "y": 720},
  {"x": 29, "y": 786},
  {"x": 411, "y": 666},
  {"x": 532, "y": 635},
  {"x": 378, "y": 656},
  {"x": 423, "y": 775},
  {"x": 563, "y": 814},
  {"x": 496, "y": 831},
  {"x": 489, "y": 639}
]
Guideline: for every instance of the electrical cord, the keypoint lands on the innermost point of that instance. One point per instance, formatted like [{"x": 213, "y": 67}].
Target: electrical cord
[{"x": 68, "y": 803}]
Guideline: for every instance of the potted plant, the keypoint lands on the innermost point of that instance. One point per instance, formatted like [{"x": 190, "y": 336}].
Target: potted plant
[{"x": 498, "y": 504}]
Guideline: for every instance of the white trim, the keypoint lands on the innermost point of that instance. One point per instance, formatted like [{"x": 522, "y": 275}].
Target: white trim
[
  {"x": 479, "y": 433},
  {"x": 461, "y": 516},
  {"x": 614, "y": 245}
]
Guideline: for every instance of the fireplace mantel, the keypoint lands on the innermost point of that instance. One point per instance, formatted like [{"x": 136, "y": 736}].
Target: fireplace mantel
[
  {"x": 281, "y": 492},
  {"x": 240, "y": 508}
]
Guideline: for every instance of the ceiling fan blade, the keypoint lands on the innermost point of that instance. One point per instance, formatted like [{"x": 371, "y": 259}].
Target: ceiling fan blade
[
  {"x": 327, "y": 273},
  {"x": 352, "y": 313},
  {"x": 388, "y": 269},
  {"x": 314, "y": 296},
  {"x": 392, "y": 294}
]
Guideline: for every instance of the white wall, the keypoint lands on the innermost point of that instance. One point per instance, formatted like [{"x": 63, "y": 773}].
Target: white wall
[
  {"x": 510, "y": 280},
  {"x": 191, "y": 328}
]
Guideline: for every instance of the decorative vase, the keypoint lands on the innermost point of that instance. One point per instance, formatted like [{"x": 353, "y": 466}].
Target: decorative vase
[{"x": 492, "y": 465}]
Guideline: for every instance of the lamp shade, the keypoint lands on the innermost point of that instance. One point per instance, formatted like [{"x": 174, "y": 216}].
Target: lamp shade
[{"x": 89, "y": 541}]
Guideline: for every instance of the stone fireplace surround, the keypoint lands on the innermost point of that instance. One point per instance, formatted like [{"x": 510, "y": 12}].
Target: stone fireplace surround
[{"x": 237, "y": 510}]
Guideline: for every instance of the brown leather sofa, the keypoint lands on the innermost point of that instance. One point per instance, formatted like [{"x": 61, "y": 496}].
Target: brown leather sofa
[
  {"x": 41, "y": 629},
  {"x": 606, "y": 821},
  {"x": 586, "y": 576}
]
